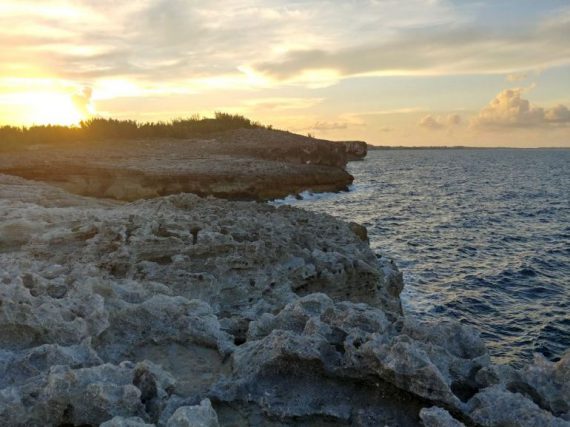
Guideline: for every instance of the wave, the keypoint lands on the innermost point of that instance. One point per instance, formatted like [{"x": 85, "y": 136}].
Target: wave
[{"x": 309, "y": 196}]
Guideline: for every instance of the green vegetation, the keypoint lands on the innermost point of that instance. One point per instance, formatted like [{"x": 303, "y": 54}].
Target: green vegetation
[{"x": 102, "y": 129}]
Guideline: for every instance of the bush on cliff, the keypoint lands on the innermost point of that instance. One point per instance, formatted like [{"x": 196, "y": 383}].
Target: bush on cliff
[{"x": 101, "y": 128}]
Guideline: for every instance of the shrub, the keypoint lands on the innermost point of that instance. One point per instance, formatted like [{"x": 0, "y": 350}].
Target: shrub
[{"x": 101, "y": 128}]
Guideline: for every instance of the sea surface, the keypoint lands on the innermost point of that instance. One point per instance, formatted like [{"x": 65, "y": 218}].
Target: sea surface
[{"x": 482, "y": 236}]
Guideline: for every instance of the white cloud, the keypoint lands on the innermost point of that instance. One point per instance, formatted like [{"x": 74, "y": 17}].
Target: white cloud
[
  {"x": 329, "y": 125},
  {"x": 558, "y": 114},
  {"x": 82, "y": 101},
  {"x": 510, "y": 110},
  {"x": 446, "y": 49},
  {"x": 439, "y": 122},
  {"x": 279, "y": 104},
  {"x": 516, "y": 77},
  {"x": 308, "y": 41}
]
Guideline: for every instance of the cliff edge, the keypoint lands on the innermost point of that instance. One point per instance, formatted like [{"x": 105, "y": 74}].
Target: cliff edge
[
  {"x": 182, "y": 311},
  {"x": 355, "y": 150},
  {"x": 243, "y": 164}
]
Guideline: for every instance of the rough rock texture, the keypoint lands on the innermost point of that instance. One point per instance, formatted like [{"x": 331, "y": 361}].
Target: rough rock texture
[
  {"x": 126, "y": 422},
  {"x": 345, "y": 342},
  {"x": 255, "y": 164},
  {"x": 355, "y": 150},
  {"x": 202, "y": 415},
  {"x": 182, "y": 311},
  {"x": 438, "y": 417}
]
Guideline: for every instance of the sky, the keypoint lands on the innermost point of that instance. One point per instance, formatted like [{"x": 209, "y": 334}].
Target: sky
[{"x": 389, "y": 72}]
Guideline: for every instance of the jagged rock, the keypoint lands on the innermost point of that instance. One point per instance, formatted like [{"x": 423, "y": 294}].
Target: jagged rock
[
  {"x": 393, "y": 280},
  {"x": 126, "y": 422},
  {"x": 355, "y": 150},
  {"x": 202, "y": 415},
  {"x": 349, "y": 342},
  {"x": 81, "y": 396},
  {"x": 135, "y": 313},
  {"x": 244, "y": 261},
  {"x": 359, "y": 230},
  {"x": 165, "y": 319},
  {"x": 18, "y": 366},
  {"x": 438, "y": 417},
  {"x": 495, "y": 406},
  {"x": 546, "y": 383}
]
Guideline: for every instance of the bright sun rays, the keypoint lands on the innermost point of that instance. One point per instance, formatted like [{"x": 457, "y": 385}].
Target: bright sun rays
[{"x": 47, "y": 108}]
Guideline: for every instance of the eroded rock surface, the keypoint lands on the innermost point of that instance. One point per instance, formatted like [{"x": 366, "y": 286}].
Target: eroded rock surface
[
  {"x": 438, "y": 417},
  {"x": 186, "y": 311},
  {"x": 246, "y": 164},
  {"x": 355, "y": 150}
]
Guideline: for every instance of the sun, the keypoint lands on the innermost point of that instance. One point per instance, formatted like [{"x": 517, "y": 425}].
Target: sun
[
  {"x": 47, "y": 108},
  {"x": 54, "y": 109}
]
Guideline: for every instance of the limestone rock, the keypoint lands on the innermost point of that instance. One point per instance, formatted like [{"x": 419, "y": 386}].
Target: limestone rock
[
  {"x": 202, "y": 415},
  {"x": 245, "y": 164},
  {"x": 355, "y": 150},
  {"x": 76, "y": 396},
  {"x": 438, "y": 417},
  {"x": 349, "y": 342},
  {"x": 544, "y": 383},
  {"x": 19, "y": 366},
  {"x": 126, "y": 422},
  {"x": 495, "y": 406},
  {"x": 548, "y": 383},
  {"x": 133, "y": 314},
  {"x": 359, "y": 230}
]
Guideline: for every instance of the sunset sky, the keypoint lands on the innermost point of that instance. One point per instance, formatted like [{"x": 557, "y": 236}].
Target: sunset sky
[{"x": 391, "y": 72}]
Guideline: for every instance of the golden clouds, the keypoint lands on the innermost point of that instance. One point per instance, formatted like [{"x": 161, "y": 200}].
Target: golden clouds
[
  {"x": 510, "y": 110},
  {"x": 440, "y": 122}
]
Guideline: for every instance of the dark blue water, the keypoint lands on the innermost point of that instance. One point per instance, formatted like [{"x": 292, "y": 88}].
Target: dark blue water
[{"x": 482, "y": 236}]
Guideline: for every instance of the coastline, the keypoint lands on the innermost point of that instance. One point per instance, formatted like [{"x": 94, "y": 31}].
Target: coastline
[
  {"x": 181, "y": 309},
  {"x": 372, "y": 147}
]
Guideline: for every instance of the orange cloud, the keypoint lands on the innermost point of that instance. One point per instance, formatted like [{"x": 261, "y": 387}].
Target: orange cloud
[
  {"x": 510, "y": 110},
  {"x": 440, "y": 122}
]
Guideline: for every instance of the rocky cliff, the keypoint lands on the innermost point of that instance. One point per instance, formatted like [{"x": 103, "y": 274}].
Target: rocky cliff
[
  {"x": 246, "y": 164},
  {"x": 355, "y": 150},
  {"x": 183, "y": 311}
]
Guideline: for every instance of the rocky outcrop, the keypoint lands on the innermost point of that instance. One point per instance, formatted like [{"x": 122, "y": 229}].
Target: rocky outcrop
[
  {"x": 202, "y": 415},
  {"x": 247, "y": 164},
  {"x": 355, "y": 150},
  {"x": 438, "y": 417},
  {"x": 182, "y": 311}
]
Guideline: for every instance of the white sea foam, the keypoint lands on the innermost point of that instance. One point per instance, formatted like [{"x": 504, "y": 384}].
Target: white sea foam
[{"x": 307, "y": 197}]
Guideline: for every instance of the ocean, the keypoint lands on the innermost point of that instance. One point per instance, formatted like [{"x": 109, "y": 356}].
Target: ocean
[{"x": 481, "y": 236}]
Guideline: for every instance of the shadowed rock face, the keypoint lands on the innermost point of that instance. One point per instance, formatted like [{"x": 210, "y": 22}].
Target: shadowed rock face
[
  {"x": 355, "y": 150},
  {"x": 183, "y": 311},
  {"x": 254, "y": 164}
]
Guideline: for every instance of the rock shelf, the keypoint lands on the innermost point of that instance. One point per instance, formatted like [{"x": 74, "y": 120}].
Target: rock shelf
[
  {"x": 189, "y": 311},
  {"x": 245, "y": 164}
]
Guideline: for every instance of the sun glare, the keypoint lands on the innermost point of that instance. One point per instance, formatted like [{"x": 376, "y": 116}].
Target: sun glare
[{"x": 50, "y": 108}]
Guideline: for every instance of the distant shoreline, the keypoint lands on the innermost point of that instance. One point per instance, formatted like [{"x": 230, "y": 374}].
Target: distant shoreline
[{"x": 456, "y": 147}]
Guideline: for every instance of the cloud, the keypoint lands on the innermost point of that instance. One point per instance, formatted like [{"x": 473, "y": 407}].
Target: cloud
[
  {"x": 82, "y": 101},
  {"x": 279, "y": 104},
  {"x": 436, "y": 50},
  {"x": 516, "y": 77},
  {"x": 558, "y": 114},
  {"x": 510, "y": 110},
  {"x": 306, "y": 41},
  {"x": 344, "y": 121},
  {"x": 439, "y": 122},
  {"x": 329, "y": 126}
]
